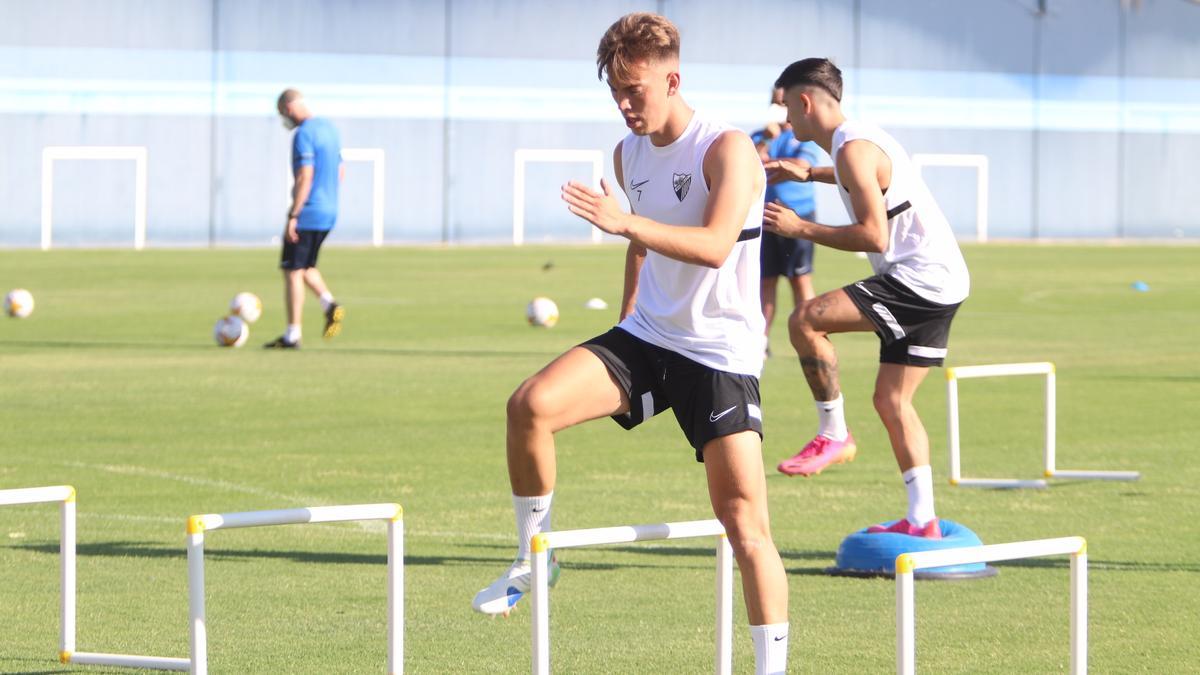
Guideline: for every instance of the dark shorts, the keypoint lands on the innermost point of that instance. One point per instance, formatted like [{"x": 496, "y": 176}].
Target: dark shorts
[
  {"x": 708, "y": 403},
  {"x": 912, "y": 330},
  {"x": 302, "y": 254},
  {"x": 784, "y": 256}
]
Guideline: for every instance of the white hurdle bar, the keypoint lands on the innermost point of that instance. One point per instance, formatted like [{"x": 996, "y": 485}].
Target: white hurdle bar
[
  {"x": 66, "y": 648},
  {"x": 391, "y": 513},
  {"x": 907, "y": 563},
  {"x": 542, "y": 544},
  {"x": 1050, "y": 470},
  {"x": 65, "y": 496}
]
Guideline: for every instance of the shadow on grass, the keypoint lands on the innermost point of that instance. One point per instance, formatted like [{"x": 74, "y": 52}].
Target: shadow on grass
[
  {"x": 1103, "y": 565},
  {"x": 340, "y": 351},
  {"x": 129, "y": 549},
  {"x": 1143, "y": 378},
  {"x": 825, "y": 557}
]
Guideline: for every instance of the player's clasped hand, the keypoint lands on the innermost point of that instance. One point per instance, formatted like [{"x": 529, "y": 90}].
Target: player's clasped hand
[
  {"x": 782, "y": 171},
  {"x": 783, "y": 221},
  {"x": 601, "y": 210},
  {"x": 289, "y": 231}
]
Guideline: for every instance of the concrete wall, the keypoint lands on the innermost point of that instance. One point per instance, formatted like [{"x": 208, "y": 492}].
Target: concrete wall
[{"x": 1088, "y": 113}]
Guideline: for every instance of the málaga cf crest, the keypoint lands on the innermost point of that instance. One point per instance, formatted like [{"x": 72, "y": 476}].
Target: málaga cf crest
[{"x": 681, "y": 182}]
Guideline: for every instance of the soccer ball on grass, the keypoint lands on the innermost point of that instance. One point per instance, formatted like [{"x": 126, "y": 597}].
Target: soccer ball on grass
[
  {"x": 231, "y": 331},
  {"x": 18, "y": 303},
  {"x": 542, "y": 312},
  {"x": 247, "y": 306}
]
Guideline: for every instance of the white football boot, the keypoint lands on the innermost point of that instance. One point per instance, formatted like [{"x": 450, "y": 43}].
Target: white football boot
[{"x": 500, "y": 596}]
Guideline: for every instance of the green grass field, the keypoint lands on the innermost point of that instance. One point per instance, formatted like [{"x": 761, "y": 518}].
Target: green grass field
[{"x": 114, "y": 386}]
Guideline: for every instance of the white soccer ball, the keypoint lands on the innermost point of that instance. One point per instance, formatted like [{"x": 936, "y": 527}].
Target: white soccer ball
[
  {"x": 542, "y": 312},
  {"x": 247, "y": 306},
  {"x": 231, "y": 331},
  {"x": 18, "y": 303}
]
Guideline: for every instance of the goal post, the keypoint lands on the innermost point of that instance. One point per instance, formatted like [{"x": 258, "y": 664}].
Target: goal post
[
  {"x": 977, "y": 162},
  {"x": 524, "y": 156},
  {"x": 55, "y": 153}
]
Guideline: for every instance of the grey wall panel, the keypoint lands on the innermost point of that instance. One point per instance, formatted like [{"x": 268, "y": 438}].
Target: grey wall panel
[
  {"x": 1160, "y": 177},
  {"x": 415, "y": 27},
  {"x": 768, "y": 32},
  {"x": 1074, "y": 201},
  {"x": 413, "y": 180},
  {"x": 481, "y": 195},
  {"x": 534, "y": 29},
  {"x": 947, "y": 35},
  {"x": 92, "y": 198},
  {"x": 1009, "y": 154},
  {"x": 381, "y": 68},
  {"x": 150, "y": 24},
  {"x": 1081, "y": 37},
  {"x": 1164, "y": 40},
  {"x": 251, "y": 189}
]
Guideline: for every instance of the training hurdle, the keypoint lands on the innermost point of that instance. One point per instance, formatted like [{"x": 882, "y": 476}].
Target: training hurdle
[
  {"x": 1050, "y": 470},
  {"x": 907, "y": 563},
  {"x": 392, "y": 514},
  {"x": 542, "y": 544},
  {"x": 197, "y": 525},
  {"x": 65, "y": 496}
]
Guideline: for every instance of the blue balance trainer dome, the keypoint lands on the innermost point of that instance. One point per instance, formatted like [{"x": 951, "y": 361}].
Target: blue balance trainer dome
[{"x": 874, "y": 555}]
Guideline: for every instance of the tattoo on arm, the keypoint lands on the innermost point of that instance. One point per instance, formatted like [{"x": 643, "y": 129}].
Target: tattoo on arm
[{"x": 822, "y": 377}]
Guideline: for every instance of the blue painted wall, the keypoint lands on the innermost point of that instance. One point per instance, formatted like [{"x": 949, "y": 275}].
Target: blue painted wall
[{"x": 1089, "y": 113}]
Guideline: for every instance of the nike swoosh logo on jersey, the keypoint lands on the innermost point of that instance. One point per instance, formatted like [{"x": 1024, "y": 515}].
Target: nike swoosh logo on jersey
[
  {"x": 714, "y": 415},
  {"x": 634, "y": 186}
]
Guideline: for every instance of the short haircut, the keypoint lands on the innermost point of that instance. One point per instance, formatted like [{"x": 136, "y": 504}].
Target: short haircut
[
  {"x": 633, "y": 38},
  {"x": 288, "y": 96},
  {"x": 814, "y": 72}
]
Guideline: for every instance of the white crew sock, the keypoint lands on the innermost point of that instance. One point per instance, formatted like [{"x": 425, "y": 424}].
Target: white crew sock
[
  {"x": 919, "y": 482},
  {"x": 831, "y": 419},
  {"x": 770, "y": 648},
  {"x": 292, "y": 334},
  {"x": 533, "y": 517},
  {"x": 326, "y": 301}
]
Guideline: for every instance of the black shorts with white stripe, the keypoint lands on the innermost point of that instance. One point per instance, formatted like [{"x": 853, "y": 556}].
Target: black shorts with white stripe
[
  {"x": 912, "y": 330},
  {"x": 708, "y": 403}
]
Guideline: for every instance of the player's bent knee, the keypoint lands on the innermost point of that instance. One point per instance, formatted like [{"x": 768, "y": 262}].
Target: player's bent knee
[
  {"x": 529, "y": 403},
  {"x": 800, "y": 322},
  {"x": 746, "y": 531}
]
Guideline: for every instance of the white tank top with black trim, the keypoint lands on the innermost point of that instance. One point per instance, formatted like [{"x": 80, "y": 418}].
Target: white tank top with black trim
[
  {"x": 712, "y": 316},
  {"x": 922, "y": 252}
]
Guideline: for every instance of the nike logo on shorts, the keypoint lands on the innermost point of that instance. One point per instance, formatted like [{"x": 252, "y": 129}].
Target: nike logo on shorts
[{"x": 714, "y": 416}]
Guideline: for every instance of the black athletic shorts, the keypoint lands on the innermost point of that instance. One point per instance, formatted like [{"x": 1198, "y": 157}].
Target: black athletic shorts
[
  {"x": 708, "y": 403},
  {"x": 912, "y": 330},
  {"x": 784, "y": 256},
  {"x": 302, "y": 254}
]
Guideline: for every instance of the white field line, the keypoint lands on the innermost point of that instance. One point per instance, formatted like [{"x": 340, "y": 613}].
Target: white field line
[{"x": 284, "y": 499}]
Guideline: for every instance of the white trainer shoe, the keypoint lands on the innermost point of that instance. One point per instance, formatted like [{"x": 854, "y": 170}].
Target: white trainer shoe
[{"x": 500, "y": 596}]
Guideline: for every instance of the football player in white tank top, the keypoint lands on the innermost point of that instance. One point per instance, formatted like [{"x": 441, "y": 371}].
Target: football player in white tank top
[
  {"x": 629, "y": 377},
  {"x": 920, "y": 282}
]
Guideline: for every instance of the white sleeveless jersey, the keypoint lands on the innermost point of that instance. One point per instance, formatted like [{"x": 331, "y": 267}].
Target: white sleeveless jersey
[
  {"x": 712, "y": 316},
  {"x": 922, "y": 253}
]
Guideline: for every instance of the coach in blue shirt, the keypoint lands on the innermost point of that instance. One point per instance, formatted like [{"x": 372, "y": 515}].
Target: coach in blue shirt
[
  {"x": 781, "y": 256},
  {"x": 317, "y": 168}
]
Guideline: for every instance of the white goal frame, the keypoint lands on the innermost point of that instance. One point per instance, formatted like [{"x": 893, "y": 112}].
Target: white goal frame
[
  {"x": 53, "y": 153},
  {"x": 378, "y": 159},
  {"x": 977, "y": 162},
  {"x": 523, "y": 156}
]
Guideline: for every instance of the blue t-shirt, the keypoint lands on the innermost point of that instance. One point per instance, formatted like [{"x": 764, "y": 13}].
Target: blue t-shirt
[
  {"x": 796, "y": 196},
  {"x": 316, "y": 144}
]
